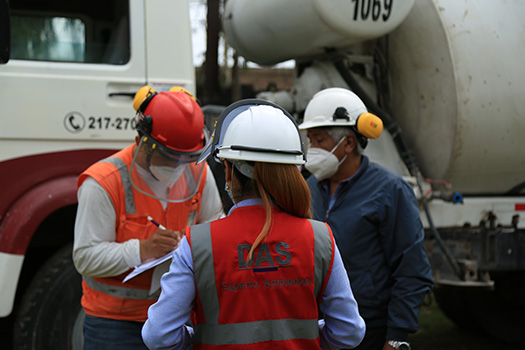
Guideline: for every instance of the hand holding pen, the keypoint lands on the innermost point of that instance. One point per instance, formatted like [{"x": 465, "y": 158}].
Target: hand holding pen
[{"x": 160, "y": 243}]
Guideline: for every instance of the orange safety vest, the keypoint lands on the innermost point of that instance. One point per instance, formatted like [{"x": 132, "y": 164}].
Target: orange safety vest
[
  {"x": 109, "y": 297},
  {"x": 269, "y": 302}
]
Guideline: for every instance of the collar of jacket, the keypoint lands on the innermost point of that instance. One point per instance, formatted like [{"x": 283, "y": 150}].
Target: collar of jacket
[{"x": 364, "y": 165}]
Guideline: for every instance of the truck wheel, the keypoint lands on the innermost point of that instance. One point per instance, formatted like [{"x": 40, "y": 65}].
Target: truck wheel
[
  {"x": 453, "y": 302},
  {"x": 497, "y": 313},
  {"x": 50, "y": 312},
  {"x": 500, "y": 312}
]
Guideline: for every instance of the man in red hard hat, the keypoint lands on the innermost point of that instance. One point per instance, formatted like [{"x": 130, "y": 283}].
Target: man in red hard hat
[{"x": 133, "y": 207}]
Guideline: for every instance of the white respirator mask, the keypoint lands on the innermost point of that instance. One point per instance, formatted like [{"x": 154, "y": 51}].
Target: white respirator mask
[
  {"x": 321, "y": 163},
  {"x": 166, "y": 174}
]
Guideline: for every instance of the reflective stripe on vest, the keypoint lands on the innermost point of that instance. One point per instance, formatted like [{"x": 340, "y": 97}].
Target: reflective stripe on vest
[
  {"x": 323, "y": 243},
  {"x": 126, "y": 182},
  {"x": 258, "y": 331},
  {"x": 120, "y": 292},
  {"x": 214, "y": 333}
]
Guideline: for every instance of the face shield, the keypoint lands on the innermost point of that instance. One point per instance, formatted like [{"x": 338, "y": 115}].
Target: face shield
[
  {"x": 164, "y": 174},
  {"x": 223, "y": 123}
]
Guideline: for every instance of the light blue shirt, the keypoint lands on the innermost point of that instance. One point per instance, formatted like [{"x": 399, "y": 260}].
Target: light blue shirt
[{"x": 342, "y": 326}]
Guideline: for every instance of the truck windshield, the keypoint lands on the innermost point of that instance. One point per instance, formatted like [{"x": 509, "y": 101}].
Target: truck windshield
[{"x": 71, "y": 31}]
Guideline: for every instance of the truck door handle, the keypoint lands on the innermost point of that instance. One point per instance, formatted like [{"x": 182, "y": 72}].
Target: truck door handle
[{"x": 128, "y": 94}]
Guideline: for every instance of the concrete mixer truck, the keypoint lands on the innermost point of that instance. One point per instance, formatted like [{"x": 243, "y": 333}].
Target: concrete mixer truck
[{"x": 447, "y": 78}]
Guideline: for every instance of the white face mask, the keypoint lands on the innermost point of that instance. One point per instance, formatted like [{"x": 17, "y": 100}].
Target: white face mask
[
  {"x": 166, "y": 174},
  {"x": 321, "y": 163}
]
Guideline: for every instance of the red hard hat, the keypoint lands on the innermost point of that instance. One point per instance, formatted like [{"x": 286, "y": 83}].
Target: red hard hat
[{"x": 175, "y": 121}]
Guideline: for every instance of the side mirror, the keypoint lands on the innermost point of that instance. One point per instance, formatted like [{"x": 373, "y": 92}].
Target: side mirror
[{"x": 5, "y": 32}]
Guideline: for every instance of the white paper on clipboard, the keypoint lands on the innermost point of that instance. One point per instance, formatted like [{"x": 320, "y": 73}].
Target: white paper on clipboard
[{"x": 147, "y": 265}]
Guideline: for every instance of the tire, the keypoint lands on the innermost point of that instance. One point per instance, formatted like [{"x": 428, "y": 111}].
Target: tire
[
  {"x": 500, "y": 312},
  {"x": 50, "y": 312},
  {"x": 454, "y": 304},
  {"x": 497, "y": 313}
]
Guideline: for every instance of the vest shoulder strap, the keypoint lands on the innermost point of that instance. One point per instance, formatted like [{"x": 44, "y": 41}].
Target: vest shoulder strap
[
  {"x": 126, "y": 182},
  {"x": 324, "y": 252}
]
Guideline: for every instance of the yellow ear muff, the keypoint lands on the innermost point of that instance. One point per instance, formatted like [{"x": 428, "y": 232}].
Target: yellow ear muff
[
  {"x": 141, "y": 95},
  {"x": 181, "y": 89},
  {"x": 369, "y": 125}
]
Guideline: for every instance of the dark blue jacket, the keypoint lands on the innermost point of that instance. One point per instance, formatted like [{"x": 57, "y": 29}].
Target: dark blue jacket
[{"x": 376, "y": 225}]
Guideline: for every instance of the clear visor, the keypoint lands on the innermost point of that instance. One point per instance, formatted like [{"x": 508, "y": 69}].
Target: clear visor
[
  {"x": 164, "y": 176},
  {"x": 217, "y": 135}
]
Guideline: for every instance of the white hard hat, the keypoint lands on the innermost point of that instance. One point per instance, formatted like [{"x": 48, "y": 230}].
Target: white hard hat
[
  {"x": 340, "y": 107},
  {"x": 256, "y": 130}
]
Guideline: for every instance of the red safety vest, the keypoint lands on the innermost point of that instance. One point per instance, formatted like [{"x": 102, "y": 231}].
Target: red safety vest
[
  {"x": 109, "y": 297},
  {"x": 269, "y": 302}
]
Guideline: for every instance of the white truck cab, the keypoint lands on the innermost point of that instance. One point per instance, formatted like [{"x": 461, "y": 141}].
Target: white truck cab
[{"x": 67, "y": 82}]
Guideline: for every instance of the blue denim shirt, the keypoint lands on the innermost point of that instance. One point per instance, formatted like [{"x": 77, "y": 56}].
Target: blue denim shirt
[{"x": 374, "y": 216}]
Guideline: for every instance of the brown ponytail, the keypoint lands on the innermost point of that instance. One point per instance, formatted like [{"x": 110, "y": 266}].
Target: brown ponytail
[{"x": 285, "y": 186}]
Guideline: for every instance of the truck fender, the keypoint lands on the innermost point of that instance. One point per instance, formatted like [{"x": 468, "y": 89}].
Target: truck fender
[
  {"x": 28, "y": 212},
  {"x": 20, "y": 223}
]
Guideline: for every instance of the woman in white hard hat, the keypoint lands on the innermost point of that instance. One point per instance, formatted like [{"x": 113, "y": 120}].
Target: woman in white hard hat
[{"x": 261, "y": 277}]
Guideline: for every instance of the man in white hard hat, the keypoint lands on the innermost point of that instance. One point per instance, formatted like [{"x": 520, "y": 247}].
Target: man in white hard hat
[{"x": 374, "y": 216}]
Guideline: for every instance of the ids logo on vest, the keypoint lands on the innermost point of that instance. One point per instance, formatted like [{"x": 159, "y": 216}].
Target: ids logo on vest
[{"x": 262, "y": 259}]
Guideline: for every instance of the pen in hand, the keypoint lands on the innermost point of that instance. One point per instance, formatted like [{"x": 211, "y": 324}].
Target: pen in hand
[
  {"x": 159, "y": 243},
  {"x": 156, "y": 223}
]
